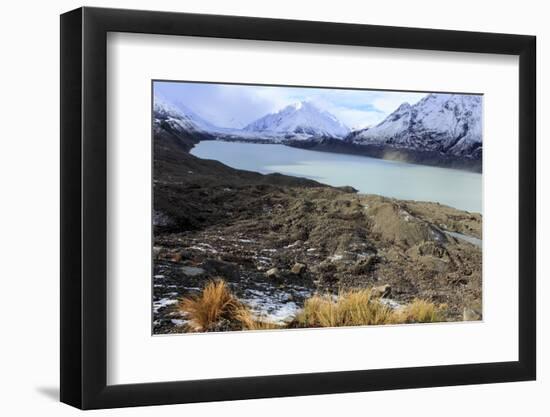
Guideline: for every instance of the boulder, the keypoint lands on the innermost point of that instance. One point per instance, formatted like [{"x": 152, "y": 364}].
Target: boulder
[
  {"x": 381, "y": 291},
  {"x": 176, "y": 257},
  {"x": 156, "y": 251},
  {"x": 273, "y": 273},
  {"x": 470, "y": 314},
  {"x": 192, "y": 271},
  {"x": 364, "y": 266},
  {"x": 298, "y": 268},
  {"x": 329, "y": 279},
  {"x": 228, "y": 270}
]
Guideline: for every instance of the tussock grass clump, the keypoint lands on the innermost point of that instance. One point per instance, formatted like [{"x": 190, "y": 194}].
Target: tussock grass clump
[
  {"x": 360, "y": 308},
  {"x": 217, "y": 309},
  {"x": 421, "y": 311},
  {"x": 214, "y": 305},
  {"x": 356, "y": 308}
]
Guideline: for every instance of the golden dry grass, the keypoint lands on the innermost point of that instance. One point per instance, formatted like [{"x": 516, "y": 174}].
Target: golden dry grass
[
  {"x": 421, "y": 311},
  {"x": 355, "y": 308},
  {"x": 213, "y": 304},
  {"x": 216, "y": 308},
  {"x": 360, "y": 308},
  {"x": 216, "y": 305}
]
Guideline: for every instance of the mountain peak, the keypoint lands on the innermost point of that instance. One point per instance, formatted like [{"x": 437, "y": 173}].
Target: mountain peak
[
  {"x": 303, "y": 105},
  {"x": 403, "y": 107},
  {"x": 298, "y": 105},
  {"x": 444, "y": 123},
  {"x": 301, "y": 120}
]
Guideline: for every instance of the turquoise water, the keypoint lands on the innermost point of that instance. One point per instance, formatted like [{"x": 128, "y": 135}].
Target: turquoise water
[{"x": 455, "y": 188}]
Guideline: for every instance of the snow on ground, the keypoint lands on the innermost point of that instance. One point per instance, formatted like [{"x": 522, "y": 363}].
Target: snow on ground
[
  {"x": 273, "y": 304},
  {"x": 163, "y": 302}
]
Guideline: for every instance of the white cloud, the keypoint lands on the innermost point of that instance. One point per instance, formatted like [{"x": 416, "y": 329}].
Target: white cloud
[
  {"x": 227, "y": 105},
  {"x": 358, "y": 119}
]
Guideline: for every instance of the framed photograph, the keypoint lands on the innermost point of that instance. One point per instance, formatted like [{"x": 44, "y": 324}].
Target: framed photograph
[{"x": 258, "y": 208}]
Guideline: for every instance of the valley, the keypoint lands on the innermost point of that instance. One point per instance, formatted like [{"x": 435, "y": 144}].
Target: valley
[{"x": 278, "y": 240}]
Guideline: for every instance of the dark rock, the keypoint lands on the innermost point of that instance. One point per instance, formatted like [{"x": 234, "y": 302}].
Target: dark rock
[
  {"x": 348, "y": 189},
  {"x": 329, "y": 279},
  {"x": 228, "y": 270},
  {"x": 364, "y": 266}
]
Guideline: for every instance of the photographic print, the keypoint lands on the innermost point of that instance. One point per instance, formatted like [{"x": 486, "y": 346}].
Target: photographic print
[{"x": 283, "y": 207}]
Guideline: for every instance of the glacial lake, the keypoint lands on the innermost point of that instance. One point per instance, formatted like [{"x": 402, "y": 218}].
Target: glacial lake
[{"x": 455, "y": 188}]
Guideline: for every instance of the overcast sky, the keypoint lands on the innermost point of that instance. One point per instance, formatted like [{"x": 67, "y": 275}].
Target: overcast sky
[{"x": 234, "y": 106}]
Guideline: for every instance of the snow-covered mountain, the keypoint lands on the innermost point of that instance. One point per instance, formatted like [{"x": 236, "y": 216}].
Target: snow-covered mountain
[
  {"x": 450, "y": 124},
  {"x": 179, "y": 117},
  {"x": 302, "y": 120},
  {"x": 173, "y": 126}
]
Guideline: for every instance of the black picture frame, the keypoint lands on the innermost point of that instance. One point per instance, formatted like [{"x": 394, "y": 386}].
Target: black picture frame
[{"x": 84, "y": 207}]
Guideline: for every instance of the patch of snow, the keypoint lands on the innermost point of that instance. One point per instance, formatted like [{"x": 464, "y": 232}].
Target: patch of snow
[
  {"x": 390, "y": 303},
  {"x": 405, "y": 215},
  {"x": 470, "y": 239},
  {"x": 203, "y": 247},
  {"x": 271, "y": 310},
  {"x": 163, "y": 302},
  {"x": 273, "y": 304}
]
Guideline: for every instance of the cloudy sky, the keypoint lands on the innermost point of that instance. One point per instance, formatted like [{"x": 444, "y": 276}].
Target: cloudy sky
[{"x": 234, "y": 106}]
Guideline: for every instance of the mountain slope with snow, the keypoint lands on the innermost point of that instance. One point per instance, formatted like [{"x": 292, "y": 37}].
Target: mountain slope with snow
[
  {"x": 302, "y": 120},
  {"x": 164, "y": 112},
  {"x": 171, "y": 123},
  {"x": 446, "y": 123}
]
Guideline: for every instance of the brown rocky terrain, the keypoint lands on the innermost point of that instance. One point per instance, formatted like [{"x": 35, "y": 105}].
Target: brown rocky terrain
[{"x": 278, "y": 240}]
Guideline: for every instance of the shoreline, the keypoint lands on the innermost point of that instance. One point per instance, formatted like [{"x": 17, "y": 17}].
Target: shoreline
[
  {"x": 275, "y": 168},
  {"x": 387, "y": 153}
]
